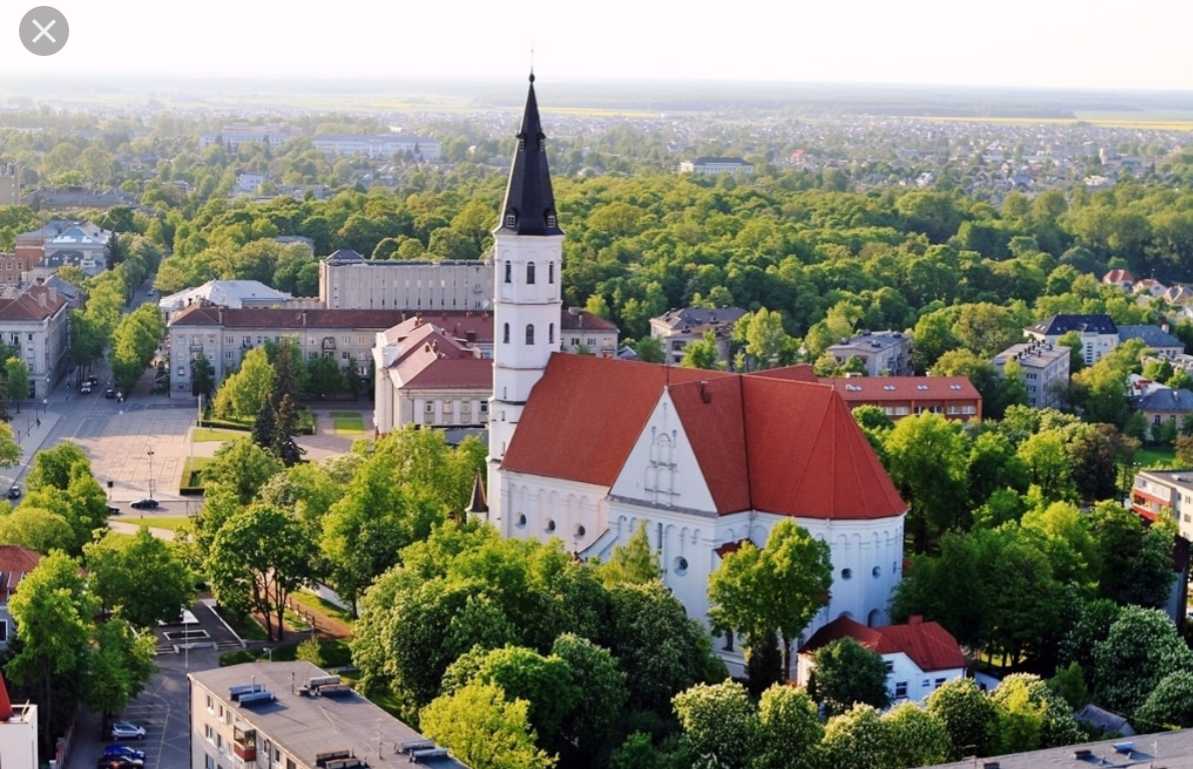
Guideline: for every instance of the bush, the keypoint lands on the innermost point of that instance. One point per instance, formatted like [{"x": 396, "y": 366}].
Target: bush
[{"x": 237, "y": 657}]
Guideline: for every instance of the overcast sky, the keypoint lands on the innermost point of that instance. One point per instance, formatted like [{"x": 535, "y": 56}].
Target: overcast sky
[{"x": 1066, "y": 43}]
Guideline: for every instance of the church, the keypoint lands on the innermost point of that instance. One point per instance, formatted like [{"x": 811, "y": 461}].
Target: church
[{"x": 588, "y": 449}]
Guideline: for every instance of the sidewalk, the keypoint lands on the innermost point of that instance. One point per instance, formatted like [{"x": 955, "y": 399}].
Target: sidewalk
[{"x": 31, "y": 429}]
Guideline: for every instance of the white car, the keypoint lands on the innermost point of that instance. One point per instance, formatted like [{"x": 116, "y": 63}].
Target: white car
[
  {"x": 185, "y": 617},
  {"x": 124, "y": 730}
]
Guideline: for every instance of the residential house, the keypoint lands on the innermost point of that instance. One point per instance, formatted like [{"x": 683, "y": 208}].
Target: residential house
[
  {"x": 1160, "y": 404},
  {"x": 18, "y": 732},
  {"x": 953, "y": 397},
  {"x": 591, "y": 449},
  {"x": 1149, "y": 287},
  {"x": 1157, "y": 338},
  {"x": 920, "y": 656},
  {"x": 298, "y": 716},
  {"x": 711, "y": 166},
  {"x": 349, "y": 281},
  {"x": 1178, "y": 295},
  {"x": 1098, "y": 333},
  {"x": 15, "y": 563},
  {"x": 1121, "y": 278},
  {"x": 676, "y": 329},
  {"x": 1159, "y": 493},
  {"x": 231, "y": 294},
  {"x": 1041, "y": 364},
  {"x": 426, "y": 376},
  {"x": 62, "y": 242},
  {"x": 884, "y": 353},
  {"x": 582, "y": 331},
  {"x": 36, "y": 323}
]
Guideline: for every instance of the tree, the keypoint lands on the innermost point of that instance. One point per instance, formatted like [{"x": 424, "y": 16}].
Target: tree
[
  {"x": 967, "y": 715},
  {"x": 119, "y": 665},
  {"x": 325, "y": 377},
  {"x": 598, "y": 698},
  {"x": 141, "y": 577},
  {"x": 1141, "y": 649},
  {"x": 202, "y": 377},
  {"x": 634, "y": 561},
  {"x": 1031, "y": 716},
  {"x": 1170, "y": 704},
  {"x": 285, "y": 428},
  {"x": 36, "y": 528},
  {"x": 649, "y": 350},
  {"x": 848, "y": 673},
  {"x": 926, "y": 458},
  {"x": 857, "y": 739},
  {"x": 1048, "y": 464},
  {"x": 702, "y": 353},
  {"x": 241, "y": 394},
  {"x": 17, "y": 374},
  {"x": 10, "y": 450},
  {"x": 484, "y": 730},
  {"x": 53, "y": 612},
  {"x": 718, "y": 722},
  {"x": 779, "y": 588},
  {"x": 764, "y": 338},
  {"x": 258, "y": 557},
  {"x": 239, "y": 469},
  {"x": 1134, "y": 562},
  {"x": 789, "y": 730},
  {"x": 915, "y": 737}
]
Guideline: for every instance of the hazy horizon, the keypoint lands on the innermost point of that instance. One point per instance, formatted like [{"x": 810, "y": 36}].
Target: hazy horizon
[{"x": 930, "y": 43}]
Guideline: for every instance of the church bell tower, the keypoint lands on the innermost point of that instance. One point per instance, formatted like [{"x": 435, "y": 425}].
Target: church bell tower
[{"x": 527, "y": 307}]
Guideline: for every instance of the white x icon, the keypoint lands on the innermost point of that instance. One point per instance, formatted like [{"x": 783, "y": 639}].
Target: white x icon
[{"x": 44, "y": 30}]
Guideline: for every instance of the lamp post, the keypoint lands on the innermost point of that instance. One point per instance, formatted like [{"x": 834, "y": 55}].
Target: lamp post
[{"x": 151, "y": 472}]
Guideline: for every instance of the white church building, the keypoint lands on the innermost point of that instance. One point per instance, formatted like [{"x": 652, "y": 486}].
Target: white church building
[{"x": 586, "y": 449}]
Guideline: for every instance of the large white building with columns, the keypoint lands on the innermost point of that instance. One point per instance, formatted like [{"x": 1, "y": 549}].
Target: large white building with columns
[{"x": 587, "y": 449}]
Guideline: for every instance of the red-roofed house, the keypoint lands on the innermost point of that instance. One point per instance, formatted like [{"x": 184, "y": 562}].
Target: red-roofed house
[
  {"x": 587, "y": 449},
  {"x": 1121, "y": 278},
  {"x": 953, "y": 397},
  {"x": 15, "y": 563},
  {"x": 920, "y": 656}
]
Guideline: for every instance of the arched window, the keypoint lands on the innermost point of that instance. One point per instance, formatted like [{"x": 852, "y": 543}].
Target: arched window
[
  {"x": 530, "y": 273},
  {"x": 529, "y": 333},
  {"x": 509, "y": 273},
  {"x": 551, "y": 334},
  {"x": 551, "y": 272},
  {"x": 505, "y": 334}
]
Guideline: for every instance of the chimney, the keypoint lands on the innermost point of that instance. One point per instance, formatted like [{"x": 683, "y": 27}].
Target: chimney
[
  {"x": 53, "y": 295},
  {"x": 705, "y": 395},
  {"x": 41, "y": 300}
]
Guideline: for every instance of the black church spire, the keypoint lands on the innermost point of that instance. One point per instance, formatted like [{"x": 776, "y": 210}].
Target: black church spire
[{"x": 529, "y": 207}]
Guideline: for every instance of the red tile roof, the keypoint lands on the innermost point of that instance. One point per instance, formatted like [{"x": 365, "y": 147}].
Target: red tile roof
[
  {"x": 430, "y": 359},
  {"x": 864, "y": 389},
  {"x": 929, "y": 645},
  {"x": 1118, "y": 276},
  {"x": 773, "y": 445},
  {"x": 575, "y": 319},
  {"x": 801, "y": 373},
  {"x": 29, "y": 305},
  {"x": 15, "y": 563}
]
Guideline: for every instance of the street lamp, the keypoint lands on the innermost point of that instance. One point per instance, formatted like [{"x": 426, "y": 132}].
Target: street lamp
[{"x": 150, "y": 472}]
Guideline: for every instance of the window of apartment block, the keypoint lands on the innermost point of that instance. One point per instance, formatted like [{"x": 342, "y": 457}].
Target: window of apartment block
[
  {"x": 208, "y": 762},
  {"x": 484, "y": 407},
  {"x": 208, "y": 732},
  {"x": 429, "y": 407},
  {"x": 901, "y": 690},
  {"x": 345, "y": 355},
  {"x": 210, "y": 704},
  {"x": 590, "y": 341},
  {"x": 3, "y": 630},
  {"x": 228, "y": 339},
  {"x": 361, "y": 340},
  {"x": 466, "y": 407}
]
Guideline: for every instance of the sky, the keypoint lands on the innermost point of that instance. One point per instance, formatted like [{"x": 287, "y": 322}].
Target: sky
[{"x": 1035, "y": 43}]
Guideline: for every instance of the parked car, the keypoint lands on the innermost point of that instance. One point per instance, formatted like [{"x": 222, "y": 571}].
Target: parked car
[
  {"x": 124, "y": 730},
  {"x": 119, "y": 762},
  {"x": 113, "y": 510},
  {"x": 93, "y": 381},
  {"x": 85, "y": 388},
  {"x": 144, "y": 504},
  {"x": 14, "y": 491},
  {"x": 109, "y": 392},
  {"x": 124, "y": 750}
]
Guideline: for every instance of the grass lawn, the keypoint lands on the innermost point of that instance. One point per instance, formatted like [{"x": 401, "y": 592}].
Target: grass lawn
[
  {"x": 208, "y": 434},
  {"x": 192, "y": 472},
  {"x": 348, "y": 422},
  {"x": 318, "y": 606},
  {"x": 172, "y": 523},
  {"x": 1156, "y": 457}
]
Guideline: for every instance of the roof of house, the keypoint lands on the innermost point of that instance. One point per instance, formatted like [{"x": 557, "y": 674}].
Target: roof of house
[
  {"x": 862, "y": 389},
  {"x": 874, "y": 340},
  {"x": 36, "y": 303},
  {"x": 528, "y": 196},
  {"x": 1178, "y": 294},
  {"x": 927, "y": 644},
  {"x": 1152, "y": 336},
  {"x": 15, "y": 563},
  {"x": 771, "y": 444},
  {"x": 429, "y": 359},
  {"x": 225, "y": 293},
  {"x": 696, "y": 317},
  {"x": 1118, "y": 276},
  {"x": 1164, "y": 399},
  {"x": 1033, "y": 354},
  {"x": 575, "y": 319},
  {"x": 458, "y": 325},
  {"x": 1063, "y": 324},
  {"x": 207, "y": 315},
  {"x": 307, "y": 726}
]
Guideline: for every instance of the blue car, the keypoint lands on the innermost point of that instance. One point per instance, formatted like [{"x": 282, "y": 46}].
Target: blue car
[{"x": 125, "y": 751}]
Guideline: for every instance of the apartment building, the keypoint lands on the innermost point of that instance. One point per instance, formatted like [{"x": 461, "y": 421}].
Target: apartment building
[
  {"x": 677, "y": 329},
  {"x": 35, "y": 323},
  {"x": 347, "y": 280},
  {"x": 953, "y": 397},
  {"x": 386, "y": 146},
  {"x": 711, "y": 166},
  {"x": 1041, "y": 364},
  {"x": 1098, "y": 333},
  {"x": 294, "y": 715},
  {"x": 884, "y": 353}
]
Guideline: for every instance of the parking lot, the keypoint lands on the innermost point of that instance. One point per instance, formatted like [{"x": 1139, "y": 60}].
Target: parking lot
[{"x": 162, "y": 708}]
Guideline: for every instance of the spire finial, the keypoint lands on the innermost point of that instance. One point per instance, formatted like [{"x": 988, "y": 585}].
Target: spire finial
[{"x": 532, "y": 63}]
